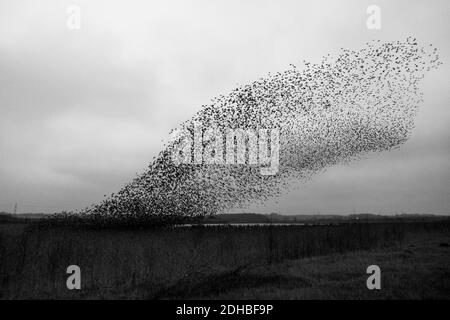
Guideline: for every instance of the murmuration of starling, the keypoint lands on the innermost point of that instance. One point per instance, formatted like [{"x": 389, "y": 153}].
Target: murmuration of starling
[{"x": 340, "y": 109}]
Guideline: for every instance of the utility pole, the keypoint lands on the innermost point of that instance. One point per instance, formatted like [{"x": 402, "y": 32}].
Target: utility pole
[{"x": 15, "y": 208}]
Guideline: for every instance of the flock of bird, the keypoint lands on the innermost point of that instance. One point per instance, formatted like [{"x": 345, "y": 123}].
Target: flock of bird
[{"x": 331, "y": 112}]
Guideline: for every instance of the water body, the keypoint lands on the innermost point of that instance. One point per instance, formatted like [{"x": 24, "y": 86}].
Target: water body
[{"x": 240, "y": 224}]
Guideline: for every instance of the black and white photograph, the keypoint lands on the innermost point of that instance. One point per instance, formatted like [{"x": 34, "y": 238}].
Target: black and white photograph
[{"x": 225, "y": 157}]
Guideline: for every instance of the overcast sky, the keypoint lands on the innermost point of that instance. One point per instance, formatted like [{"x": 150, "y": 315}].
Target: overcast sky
[{"x": 83, "y": 111}]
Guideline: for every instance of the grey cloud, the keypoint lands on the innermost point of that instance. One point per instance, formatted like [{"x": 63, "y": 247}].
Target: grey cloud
[{"x": 82, "y": 112}]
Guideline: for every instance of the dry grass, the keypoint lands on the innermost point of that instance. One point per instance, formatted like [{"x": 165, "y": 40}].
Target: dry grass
[{"x": 200, "y": 262}]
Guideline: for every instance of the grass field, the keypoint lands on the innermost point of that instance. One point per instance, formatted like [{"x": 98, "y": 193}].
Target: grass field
[{"x": 254, "y": 262}]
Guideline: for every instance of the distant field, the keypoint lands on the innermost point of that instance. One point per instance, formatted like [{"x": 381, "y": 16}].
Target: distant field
[{"x": 256, "y": 262}]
